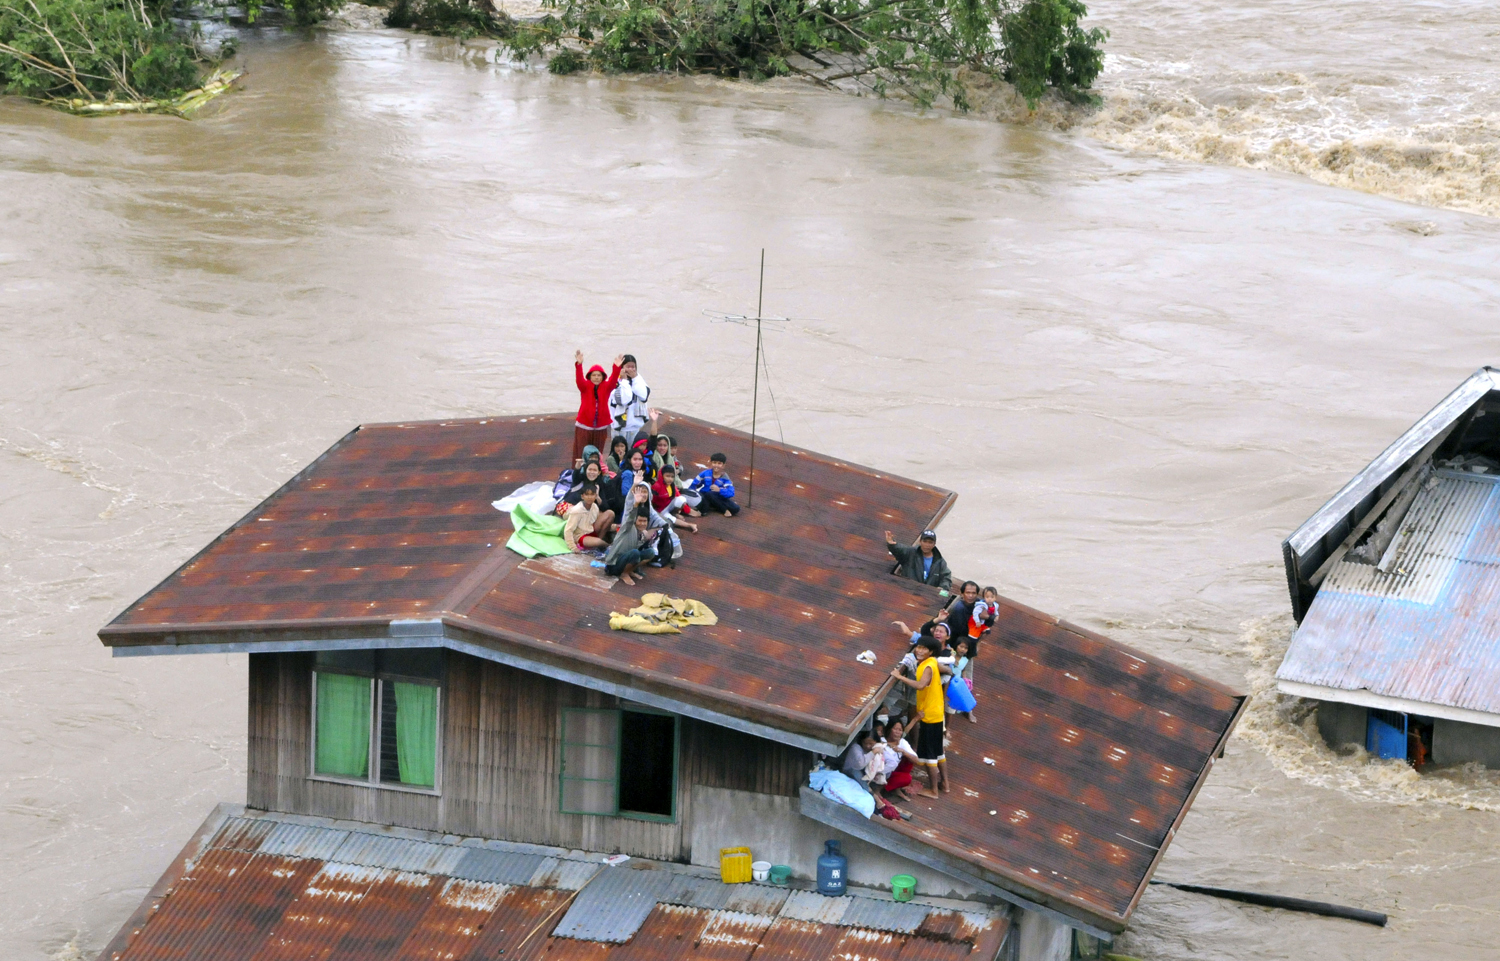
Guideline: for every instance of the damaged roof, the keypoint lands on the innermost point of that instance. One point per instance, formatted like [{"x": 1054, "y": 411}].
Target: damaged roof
[
  {"x": 273, "y": 886},
  {"x": 1397, "y": 577},
  {"x": 389, "y": 539}
]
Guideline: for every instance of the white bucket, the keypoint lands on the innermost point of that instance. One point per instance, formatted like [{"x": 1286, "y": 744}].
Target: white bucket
[{"x": 760, "y": 870}]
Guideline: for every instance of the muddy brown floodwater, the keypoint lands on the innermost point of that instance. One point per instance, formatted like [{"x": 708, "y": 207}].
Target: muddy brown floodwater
[{"x": 1139, "y": 374}]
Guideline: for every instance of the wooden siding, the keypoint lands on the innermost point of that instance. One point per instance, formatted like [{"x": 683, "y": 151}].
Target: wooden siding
[{"x": 501, "y": 749}]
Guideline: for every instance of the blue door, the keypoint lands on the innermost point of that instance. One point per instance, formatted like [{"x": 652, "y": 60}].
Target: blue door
[{"x": 1385, "y": 734}]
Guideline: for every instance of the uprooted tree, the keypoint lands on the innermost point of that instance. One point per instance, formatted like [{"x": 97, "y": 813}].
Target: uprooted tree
[
  {"x": 107, "y": 51},
  {"x": 918, "y": 48}
]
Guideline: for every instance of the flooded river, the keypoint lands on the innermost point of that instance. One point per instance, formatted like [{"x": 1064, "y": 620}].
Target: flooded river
[{"x": 1139, "y": 372}]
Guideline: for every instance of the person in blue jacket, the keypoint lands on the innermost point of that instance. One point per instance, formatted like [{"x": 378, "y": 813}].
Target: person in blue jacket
[{"x": 717, "y": 488}]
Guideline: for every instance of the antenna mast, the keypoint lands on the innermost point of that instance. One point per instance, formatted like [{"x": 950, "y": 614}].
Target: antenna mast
[{"x": 760, "y": 299}]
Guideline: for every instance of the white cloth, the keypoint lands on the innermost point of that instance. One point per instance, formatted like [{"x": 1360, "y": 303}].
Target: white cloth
[
  {"x": 628, "y": 405},
  {"x": 537, "y": 495},
  {"x": 874, "y": 771},
  {"x": 893, "y": 758}
]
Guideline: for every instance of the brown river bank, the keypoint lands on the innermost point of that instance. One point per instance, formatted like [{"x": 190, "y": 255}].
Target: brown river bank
[{"x": 1138, "y": 373}]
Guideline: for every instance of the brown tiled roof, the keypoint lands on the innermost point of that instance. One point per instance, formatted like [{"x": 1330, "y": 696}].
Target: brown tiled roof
[
  {"x": 1098, "y": 749},
  {"x": 271, "y": 887},
  {"x": 395, "y": 522},
  {"x": 1097, "y": 752}
]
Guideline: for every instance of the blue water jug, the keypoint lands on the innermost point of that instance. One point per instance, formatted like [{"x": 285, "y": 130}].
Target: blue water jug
[{"x": 833, "y": 870}]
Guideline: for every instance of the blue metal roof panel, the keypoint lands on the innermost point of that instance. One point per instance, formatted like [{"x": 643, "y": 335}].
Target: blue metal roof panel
[
  {"x": 402, "y": 854},
  {"x": 902, "y": 917},
  {"x": 497, "y": 867},
  {"x": 242, "y": 834},
  {"x": 302, "y": 841},
  {"x": 1427, "y": 627},
  {"x": 614, "y": 906}
]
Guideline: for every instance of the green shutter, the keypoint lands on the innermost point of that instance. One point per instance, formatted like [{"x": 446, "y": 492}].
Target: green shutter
[
  {"x": 343, "y": 732},
  {"x": 589, "y": 781},
  {"x": 416, "y": 732}
]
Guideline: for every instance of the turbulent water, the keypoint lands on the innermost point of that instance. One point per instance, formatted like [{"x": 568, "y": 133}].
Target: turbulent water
[
  {"x": 1139, "y": 374},
  {"x": 1400, "y": 99}
]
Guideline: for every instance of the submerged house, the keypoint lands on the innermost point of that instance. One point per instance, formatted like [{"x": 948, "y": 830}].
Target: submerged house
[
  {"x": 1395, "y": 584},
  {"x": 445, "y": 738}
]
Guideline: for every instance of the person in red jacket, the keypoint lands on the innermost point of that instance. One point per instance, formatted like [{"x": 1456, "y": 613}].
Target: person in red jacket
[
  {"x": 592, "y": 426},
  {"x": 666, "y": 497}
]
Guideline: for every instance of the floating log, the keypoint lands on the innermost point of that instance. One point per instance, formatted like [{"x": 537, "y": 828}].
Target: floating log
[{"x": 1285, "y": 903}]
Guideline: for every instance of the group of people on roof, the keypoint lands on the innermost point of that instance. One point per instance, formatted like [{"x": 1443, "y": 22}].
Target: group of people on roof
[
  {"x": 629, "y": 504},
  {"x": 909, "y": 735}
]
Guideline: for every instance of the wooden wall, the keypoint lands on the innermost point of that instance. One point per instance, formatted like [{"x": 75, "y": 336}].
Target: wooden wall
[{"x": 501, "y": 750}]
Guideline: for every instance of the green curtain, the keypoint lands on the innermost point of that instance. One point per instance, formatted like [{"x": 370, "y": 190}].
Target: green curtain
[
  {"x": 416, "y": 733},
  {"x": 343, "y": 732}
]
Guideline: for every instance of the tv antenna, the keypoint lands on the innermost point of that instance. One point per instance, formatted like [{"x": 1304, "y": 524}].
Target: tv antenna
[{"x": 761, "y": 323}]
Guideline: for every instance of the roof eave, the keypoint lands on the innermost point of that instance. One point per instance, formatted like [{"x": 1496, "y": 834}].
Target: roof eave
[
  {"x": 1364, "y": 697},
  {"x": 528, "y": 654},
  {"x": 951, "y": 862}
]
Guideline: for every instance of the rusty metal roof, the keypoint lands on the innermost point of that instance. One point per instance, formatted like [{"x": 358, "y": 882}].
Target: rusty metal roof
[
  {"x": 1423, "y": 626},
  {"x": 389, "y": 539},
  {"x": 1084, "y": 758},
  {"x": 228, "y": 899}
]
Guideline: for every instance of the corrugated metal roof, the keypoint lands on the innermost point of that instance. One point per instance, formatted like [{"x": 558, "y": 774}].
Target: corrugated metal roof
[
  {"x": 500, "y": 867},
  {"x": 1427, "y": 629},
  {"x": 232, "y": 905},
  {"x": 1098, "y": 749},
  {"x": 394, "y": 523},
  {"x": 399, "y": 853},
  {"x": 613, "y": 907},
  {"x": 303, "y": 841},
  {"x": 1318, "y": 537}
]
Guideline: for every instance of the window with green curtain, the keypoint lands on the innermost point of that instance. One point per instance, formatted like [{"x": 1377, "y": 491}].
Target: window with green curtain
[
  {"x": 416, "y": 732},
  {"x": 343, "y": 731}
]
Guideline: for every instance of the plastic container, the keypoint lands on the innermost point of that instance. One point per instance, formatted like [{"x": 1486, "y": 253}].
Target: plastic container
[
  {"x": 780, "y": 874},
  {"x": 760, "y": 870},
  {"x": 833, "y": 870},
  {"x": 734, "y": 865},
  {"x": 903, "y": 886}
]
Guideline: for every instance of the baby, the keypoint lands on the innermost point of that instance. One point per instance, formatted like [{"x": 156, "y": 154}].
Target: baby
[{"x": 985, "y": 610}]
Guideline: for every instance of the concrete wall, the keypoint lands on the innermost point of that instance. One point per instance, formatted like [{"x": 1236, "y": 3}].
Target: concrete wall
[
  {"x": 775, "y": 830},
  {"x": 1342, "y": 724},
  {"x": 1454, "y": 742}
]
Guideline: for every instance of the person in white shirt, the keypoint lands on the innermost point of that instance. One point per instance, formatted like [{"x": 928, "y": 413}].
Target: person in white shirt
[{"x": 628, "y": 401}]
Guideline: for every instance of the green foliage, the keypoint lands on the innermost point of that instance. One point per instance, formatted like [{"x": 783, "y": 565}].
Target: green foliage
[
  {"x": 449, "y": 18},
  {"x": 91, "y": 49},
  {"x": 915, "y": 47},
  {"x": 1045, "y": 46}
]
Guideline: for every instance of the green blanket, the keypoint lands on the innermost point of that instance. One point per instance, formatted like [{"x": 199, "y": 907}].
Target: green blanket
[{"x": 536, "y": 534}]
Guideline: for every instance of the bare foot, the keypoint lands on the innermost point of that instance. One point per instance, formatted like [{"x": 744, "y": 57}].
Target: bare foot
[
  {"x": 946, "y": 787},
  {"x": 627, "y": 579},
  {"x": 929, "y": 794},
  {"x": 972, "y": 718},
  {"x": 728, "y": 514}
]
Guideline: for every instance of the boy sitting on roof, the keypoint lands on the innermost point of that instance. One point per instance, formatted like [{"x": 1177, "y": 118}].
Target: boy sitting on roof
[
  {"x": 585, "y": 527},
  {"x": 716, "y": 487},
  {"x": 923, "y": 563}
]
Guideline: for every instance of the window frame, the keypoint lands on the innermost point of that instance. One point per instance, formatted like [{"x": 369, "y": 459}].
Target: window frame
[
  {"x": 377, "y": 698},
  {"x": 619, "y": 717}
]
